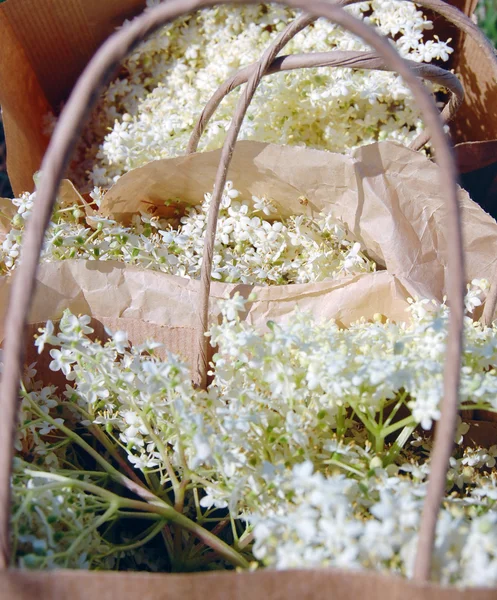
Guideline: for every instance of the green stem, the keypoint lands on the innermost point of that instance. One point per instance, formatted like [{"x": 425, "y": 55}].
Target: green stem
[
  {"x": 104, "y": 440},
  {"x": 340, "y": 420},
  {"x": 161, "y": 448},
  {"x": 215, "y": 531},
  {"x": 407, "y": 422},
  {"x": 478, "y": 407},
  {"x": 346, "y": 467},
  {"x": 398, "y": 444},
  {"x": 166, "y": 511},
  {"x": 379, "y": 444},
  {"x": 112, "y": 450},
  {"x": 395, "y": 409},
  {"x": 95, "y": 525},
  {"x": 373, "y": 430},
  {"x": 154, "y": 530},
  {"x": 92, "y": 237},
  {"x": 137, "y": 489},
  {"x": 168, "y": 542},
  {"x": 132, "y": 514},
  {"x": 246, "y": 539}
]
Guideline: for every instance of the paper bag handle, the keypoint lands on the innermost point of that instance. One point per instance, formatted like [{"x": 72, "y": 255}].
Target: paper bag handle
[{"x": 83, "y": 98}]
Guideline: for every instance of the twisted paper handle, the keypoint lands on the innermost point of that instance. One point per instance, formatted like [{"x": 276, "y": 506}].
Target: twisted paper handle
[{"x": 77, "y": 109}]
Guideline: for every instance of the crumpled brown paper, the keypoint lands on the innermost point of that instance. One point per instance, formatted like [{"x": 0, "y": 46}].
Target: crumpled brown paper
[
  {"x": 388, "y": 196},
  {"x": 154, "y": 305}
]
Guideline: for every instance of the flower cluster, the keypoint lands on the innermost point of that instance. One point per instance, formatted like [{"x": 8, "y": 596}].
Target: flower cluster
[
  {"x": 336, "y": 521},
  {"x": 251, "y": 245},
  {"x": 305, "y": 439},
  {"x": 55, "y": 526},
  {"x": 164, "y": 85}
]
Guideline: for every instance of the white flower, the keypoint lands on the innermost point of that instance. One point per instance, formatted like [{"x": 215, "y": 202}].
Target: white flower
[
  {"x": 46, "y": 336},
  {"x": 62, "y": 361},
  {"x": 149, "y": 113}
]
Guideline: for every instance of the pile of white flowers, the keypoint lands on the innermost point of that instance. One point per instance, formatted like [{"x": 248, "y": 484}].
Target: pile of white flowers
[
  {"x": 153, "y": 105},
  {"x": 373, "y": 523},
  {"x": 300, "y": 452},
  {"x": 311, "y": 445},
  {"x": 251, "y": 245}
]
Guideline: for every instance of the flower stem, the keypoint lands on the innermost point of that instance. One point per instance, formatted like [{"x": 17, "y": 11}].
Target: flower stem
[
  {"x": 134, "y": 487},
  {"x": 209, "y": 539},
  {"x": 408, "y": 421},
  {"x": 399, "y": 444}
]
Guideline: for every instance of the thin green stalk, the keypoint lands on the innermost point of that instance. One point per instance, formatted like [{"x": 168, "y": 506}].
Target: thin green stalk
[
  {"x": 112, "y": 450},
  {"x": 132, "y": 514},
  {"x": 340, "y": 421},
  {"x": 161, "y": 448},
  {"x": 346, "y": 467},
  {"x": 137, "y": 489},
  {"x": 233, "y": 530},
  {"x": 408, "y": 421},
  {"x": 398, "y": 444},
  {"x": 373, "y": 430},
  {"x": 168, "y": 542},
  {"x": 92, "y": 236},
  {"x": 478, "y": 407},
  {"x": 189, "y": 546},
  {"x": 48, "y": 529},
  {"x": 198, "y": 510},
  {"x": 95, "y": 525},
  {"x": 215, "y": 531},
  {"x": 395, "y": 409},
  {"x": 154, "y": 530},
  {"x": 104, "y": 440},
  {"x": 246, "y": 539},
  {"x": 209, "y": 539},
  {"x": 379, "y": 444}
]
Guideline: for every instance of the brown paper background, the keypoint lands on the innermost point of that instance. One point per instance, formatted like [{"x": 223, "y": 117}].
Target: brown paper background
[{"x": 45, "y": 44}]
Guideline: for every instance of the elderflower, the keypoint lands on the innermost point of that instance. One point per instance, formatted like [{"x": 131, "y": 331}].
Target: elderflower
[
  {"x": 249, "y": 247},
  {"x": 54, "y": 528},
  {"x": 278, "y": 397},
  {"x": 152, "y": 106},
  {"x": 329, "y": 521},
  {"x": 289, "y": 440}
]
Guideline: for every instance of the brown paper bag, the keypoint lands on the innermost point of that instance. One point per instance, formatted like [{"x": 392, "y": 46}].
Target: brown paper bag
[
  {"x": 309, "y": 584},
  {"x": 45, "y": 45},
  {"x": 387, "y": 196},
  {"x": 324, "y": 584}
]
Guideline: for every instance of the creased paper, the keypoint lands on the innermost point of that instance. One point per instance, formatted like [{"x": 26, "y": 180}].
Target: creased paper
[{"x": 388, "y": 196}]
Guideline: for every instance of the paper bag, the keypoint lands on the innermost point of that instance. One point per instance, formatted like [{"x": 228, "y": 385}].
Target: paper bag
[
  {"x": 387, "y": 196},
  {"x": 45, "y": 45}
]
